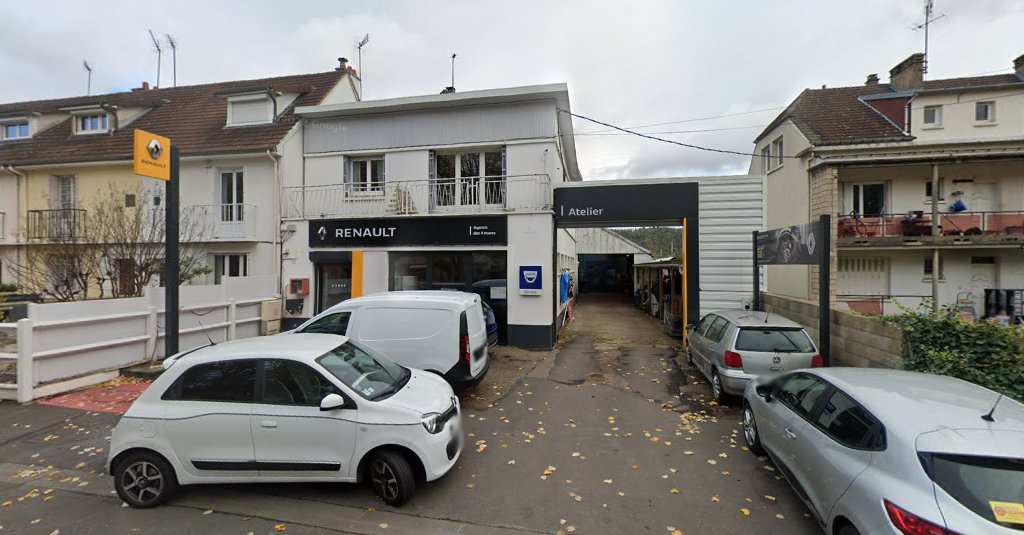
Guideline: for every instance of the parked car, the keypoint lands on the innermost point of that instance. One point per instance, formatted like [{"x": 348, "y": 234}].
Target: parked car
[
  {"x": 889, "y": 451},
  {"x": 443, "y": 332},
  {"x": 492, "y": 324},
  {"x": 494, "y": 292},
  {"x": 308, "y": 407},
  {"x": 731, "y": 347}
]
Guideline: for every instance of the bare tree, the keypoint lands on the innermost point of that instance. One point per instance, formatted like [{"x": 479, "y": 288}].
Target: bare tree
[{"x": 116, "y": 251}]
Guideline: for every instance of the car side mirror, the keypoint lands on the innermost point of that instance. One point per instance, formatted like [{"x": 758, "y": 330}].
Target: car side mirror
[
  {"x": 689, "y": 327},
  {"x": 332, "y": 402},
  {"x": 764, "y": 390}
]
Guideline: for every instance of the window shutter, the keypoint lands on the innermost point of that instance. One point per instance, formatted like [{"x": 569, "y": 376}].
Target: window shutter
[
  {"x": 432, "y": 177},
  {"x": 54, "y": 192},
  {"x": 383, "y": 173},
  {"x": 504, "y": 164},
  {"x": 346, "y": 174}
]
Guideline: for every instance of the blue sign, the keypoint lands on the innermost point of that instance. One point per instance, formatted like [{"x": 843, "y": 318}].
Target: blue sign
[{"x": 531, "y": 280}]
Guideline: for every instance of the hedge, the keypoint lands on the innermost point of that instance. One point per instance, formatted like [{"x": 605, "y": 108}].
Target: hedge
[{"x": 983, "y": 352}]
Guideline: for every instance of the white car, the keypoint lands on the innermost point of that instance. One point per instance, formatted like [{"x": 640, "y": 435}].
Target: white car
[
  {"x": 305, "y": 407},
  {"x": 439, "y": 331}
]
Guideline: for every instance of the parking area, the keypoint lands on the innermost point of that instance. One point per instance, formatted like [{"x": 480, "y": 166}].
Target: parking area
[{"x": 606, "y": 434}]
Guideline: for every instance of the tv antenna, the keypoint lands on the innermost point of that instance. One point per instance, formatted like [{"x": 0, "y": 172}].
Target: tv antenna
[
  {"x": 174, "y": 57},
  {"x": 453, "y": 71},
  {"x": 88, "y": 83},
  {"x": 159, "y": 53},
  {"x": 360, "y": 46},
  {"x": 929, "y": 9}
]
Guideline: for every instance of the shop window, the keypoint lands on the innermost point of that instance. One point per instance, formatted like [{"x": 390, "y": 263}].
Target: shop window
[{"x": 408, "y": 271}]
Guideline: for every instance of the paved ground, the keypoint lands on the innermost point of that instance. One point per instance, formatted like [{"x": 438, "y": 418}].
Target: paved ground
[{"x": 606, "y": 435}]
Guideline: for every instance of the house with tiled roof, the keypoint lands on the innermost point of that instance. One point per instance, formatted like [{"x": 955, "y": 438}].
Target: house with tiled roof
[
  {"x": 924, "y": 183},
  {"x": 61, "y": 158}
]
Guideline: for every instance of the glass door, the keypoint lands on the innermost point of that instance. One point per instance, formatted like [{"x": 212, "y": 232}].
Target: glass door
[{"x": 335, "y": 284}]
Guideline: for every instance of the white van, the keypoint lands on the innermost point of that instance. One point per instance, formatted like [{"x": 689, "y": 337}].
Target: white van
[{"x": 443, "y": 332}]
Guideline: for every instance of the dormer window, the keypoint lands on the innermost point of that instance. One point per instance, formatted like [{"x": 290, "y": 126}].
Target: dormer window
[
  {"x": 250, "y": 109},
  {"x": 92, "y": 123},
  {"x": 14, "y": 130}
]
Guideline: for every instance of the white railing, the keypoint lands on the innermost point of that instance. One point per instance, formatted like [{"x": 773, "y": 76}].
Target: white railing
[
  {"x": 225, "y": 222},
  {"x": 64, "y": 346},
  {"x": 490, "y": 194}
]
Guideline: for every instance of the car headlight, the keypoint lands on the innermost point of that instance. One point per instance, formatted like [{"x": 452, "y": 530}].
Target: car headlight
[{"x": 432, "y": 423}]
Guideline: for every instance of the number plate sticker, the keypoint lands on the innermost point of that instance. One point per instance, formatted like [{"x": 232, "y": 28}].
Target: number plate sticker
[{"x": 1008, "y": 512}]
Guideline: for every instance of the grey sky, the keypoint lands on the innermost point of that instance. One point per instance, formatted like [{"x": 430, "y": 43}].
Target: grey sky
[{"x": 628, "y": 63}]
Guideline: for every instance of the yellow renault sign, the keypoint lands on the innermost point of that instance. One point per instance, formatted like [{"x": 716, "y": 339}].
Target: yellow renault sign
[{"x": 152, "y": 155}]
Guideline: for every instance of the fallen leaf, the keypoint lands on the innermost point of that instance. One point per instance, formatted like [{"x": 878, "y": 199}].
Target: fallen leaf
[
  {"x": 208, "y": 512},
  {"x": 745, "y": 511},
  {"x": 674, "y": 491},
  {"x": 512, "y": 461},
  {"x": 779, "y": 516},
  {"x": 383, "y": 525},
  {"x": 608, "y": 481},
  {"x": 281, "y": 527},
  {"x": 715, "y": 499}
]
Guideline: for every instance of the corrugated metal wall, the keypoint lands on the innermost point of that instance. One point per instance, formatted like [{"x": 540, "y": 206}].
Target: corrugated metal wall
[
  {"x": 730, "y": 209},
  {"x": 433, "y": 128},
  {"x": 603, "y": 241}
]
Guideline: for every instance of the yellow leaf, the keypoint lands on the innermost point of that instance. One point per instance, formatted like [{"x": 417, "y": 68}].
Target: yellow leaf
[
  {"x": 745, "y": 511},
  {"x": 677, "y": 532},
  {"x": 770, "y": 498},
  {"x": 281, "y": 527},
  {"x": 715, "y": 499},
  {"x": 383, "y": 525},
  {"x": 675, "y": 491}
]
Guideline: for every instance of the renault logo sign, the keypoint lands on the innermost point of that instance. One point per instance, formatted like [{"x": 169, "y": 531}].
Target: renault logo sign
[
  {"x": 322, "y": 233},
  {"x": 155, "y": 149}
]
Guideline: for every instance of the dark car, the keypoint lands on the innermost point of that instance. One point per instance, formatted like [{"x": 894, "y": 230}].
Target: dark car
[{"x": 494, "y": 292}]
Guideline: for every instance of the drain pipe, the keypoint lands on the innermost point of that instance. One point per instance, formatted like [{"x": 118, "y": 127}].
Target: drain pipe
[{"x": 276, "y": 217}]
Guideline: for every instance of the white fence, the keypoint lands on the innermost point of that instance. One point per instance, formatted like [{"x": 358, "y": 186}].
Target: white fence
[{"x": 63, "y": 346}]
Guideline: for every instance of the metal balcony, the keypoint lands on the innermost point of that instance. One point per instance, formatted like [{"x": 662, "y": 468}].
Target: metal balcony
[
  {"x": 983, "y": 228},
  {"x": 58, "y": 225},
  {"x": 465, "y": 195},
  {"x": 222, "y": 222}
]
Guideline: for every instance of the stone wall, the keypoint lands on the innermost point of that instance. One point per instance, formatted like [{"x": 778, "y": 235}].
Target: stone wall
[
  {"x": 824, "y": 192},
  {"x": 856, "y": 340}
]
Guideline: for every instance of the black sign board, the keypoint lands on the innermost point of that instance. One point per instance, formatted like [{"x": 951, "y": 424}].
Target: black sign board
[
  {"x": 485, "y": 230},
  {"x": 644, "y": 203},
  {"x": 797, "y": 244}
]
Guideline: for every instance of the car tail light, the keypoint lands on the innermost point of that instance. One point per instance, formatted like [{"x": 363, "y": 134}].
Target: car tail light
[
  {"x": 733, "y": 359},
  {"x": 817, "y": 362},
  {"x": 911, "y": 524},
  {"x": 464, "y": 347}
]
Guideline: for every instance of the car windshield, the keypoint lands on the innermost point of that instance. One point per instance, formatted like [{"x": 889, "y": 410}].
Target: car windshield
[
  {"x": 369, "y": 373},
  {"x": 777, "y": 340},
  {"x": 991, "y": 487}
]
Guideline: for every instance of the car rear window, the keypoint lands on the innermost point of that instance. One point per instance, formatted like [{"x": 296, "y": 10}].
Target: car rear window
[
  {"x": 774, "y": 340},
  {"x": 991, "y": 487}
]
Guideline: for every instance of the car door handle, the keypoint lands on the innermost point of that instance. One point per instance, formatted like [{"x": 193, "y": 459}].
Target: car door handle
[
  {"x": 790, "y": 433},
  {"x": 268, "y": 424}
]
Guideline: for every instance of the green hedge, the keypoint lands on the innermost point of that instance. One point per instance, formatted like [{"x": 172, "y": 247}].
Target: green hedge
[{"x": 982, "y": 352}]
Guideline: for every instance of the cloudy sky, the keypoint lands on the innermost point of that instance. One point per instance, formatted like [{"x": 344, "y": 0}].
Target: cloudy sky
[{"x": 630, "y": 63}]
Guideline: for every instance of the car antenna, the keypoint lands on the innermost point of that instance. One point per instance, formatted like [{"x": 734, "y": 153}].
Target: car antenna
[
  {"x": 988, "y": 417},
  {"x": 212, "y": 343}
]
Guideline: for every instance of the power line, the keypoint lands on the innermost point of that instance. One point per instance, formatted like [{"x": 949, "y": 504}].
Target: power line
[
  {"x": 698, "y": 119},
  {"x": 663, "y": 140},
  {"x": 611, "y": 133}
]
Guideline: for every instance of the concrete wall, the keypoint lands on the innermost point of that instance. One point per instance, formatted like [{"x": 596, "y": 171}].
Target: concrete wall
[{"x": 856, "y": 340}]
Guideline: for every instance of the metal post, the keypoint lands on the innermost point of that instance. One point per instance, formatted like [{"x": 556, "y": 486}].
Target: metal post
[
  {"x": 686, "y": 294},
  {"x": 935, "y": 232},
  {"x": 757, "y": 277},
  {"x": 824, "y": 287},
  {"x": 25, "y": 374},
  {"x": 232, "y": 316},
  {"x": 171, "y": 260}
]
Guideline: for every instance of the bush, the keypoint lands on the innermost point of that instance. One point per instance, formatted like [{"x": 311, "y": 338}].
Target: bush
[
  {"x": 983, "y": 352},
  {"x": 8, "y": 287}
]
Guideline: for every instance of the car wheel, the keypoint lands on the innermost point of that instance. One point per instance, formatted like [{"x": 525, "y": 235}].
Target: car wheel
[
  {"x": 689, "y": 359},
  {"x": 144, "y": 480},
  {"x": 717, "y": 392},
  {"x": 750, "y": 433},
  {"x": 392, "y": 478},
  {"x": 848, "y": 530}
]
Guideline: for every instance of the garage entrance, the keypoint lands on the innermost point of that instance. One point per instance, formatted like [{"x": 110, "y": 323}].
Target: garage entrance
[{"x": 625, "y": 203}]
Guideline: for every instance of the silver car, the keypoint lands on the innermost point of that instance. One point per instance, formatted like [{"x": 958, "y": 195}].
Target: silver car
[
  {"x": 874, "y": 451},
  {"x": 731, "y": 347}
]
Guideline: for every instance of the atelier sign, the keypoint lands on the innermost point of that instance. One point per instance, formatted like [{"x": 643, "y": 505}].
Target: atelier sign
[{"x": 487, "y": 230}]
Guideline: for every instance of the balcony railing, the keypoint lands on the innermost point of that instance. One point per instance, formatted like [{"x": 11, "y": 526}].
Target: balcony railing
[
  {"x": 490, "y": 194},
  {"x": 223, "y": 222},
  {"x": 919, "y": 224},
  {"x": 63, "y": 224}
]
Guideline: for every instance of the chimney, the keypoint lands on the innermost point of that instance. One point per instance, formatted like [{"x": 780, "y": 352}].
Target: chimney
[
  {"x": 1018, "y": 65},
  {"x": 872, "y": 80},
  {"x": 145, "y": 87},
  {"x": 342, "y": 64},
  {"x": 449, "y": 89},
  {"x": 909, "y": 74}
]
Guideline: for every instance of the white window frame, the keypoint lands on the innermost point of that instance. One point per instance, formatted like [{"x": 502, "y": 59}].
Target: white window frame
[
  {"x": 366, "y": 188},
  {"x": 15, "y": 122},
  {"x": 766, "y": 158},
  {"x": 218, "y": 275},
  {"x": 854, "y": 191},
  {"x": 938, "y": 116},
  {"x": 777, "y": 149},
  {"x": 991, "y": 105},
  {"x": 250, "y": 98},
  {"x": 103, "y": 119},
  {"x": 927, "y": 277}
]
